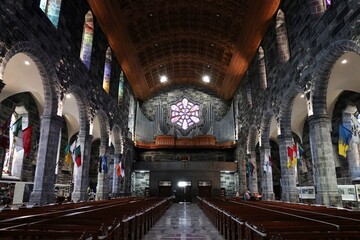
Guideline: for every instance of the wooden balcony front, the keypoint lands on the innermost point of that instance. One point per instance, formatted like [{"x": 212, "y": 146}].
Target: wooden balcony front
[{"x": 170, "y": 142}]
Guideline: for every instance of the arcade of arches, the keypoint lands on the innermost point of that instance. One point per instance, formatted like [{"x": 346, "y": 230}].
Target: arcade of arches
[{"x": 72, "y": 123}]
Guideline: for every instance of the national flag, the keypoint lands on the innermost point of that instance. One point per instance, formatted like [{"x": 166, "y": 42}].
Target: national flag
[
  {"x": 6, "y": 125},
  {"x": 344, "y": 139},
  {"x": 17, "y": 127},
  {"x": 290, "y": 156},
  {"x": 67, "y": 154},
  {"x": 78, "y": 156},
  {"x": 72, "y": 151},
  {"x": 295, "y": 155},
  {"x": 104, "y": 163},
  {"x": 300, "y": 153},
  {"x": 118, "y": 169},
  {"x": 27, "y": 140}
]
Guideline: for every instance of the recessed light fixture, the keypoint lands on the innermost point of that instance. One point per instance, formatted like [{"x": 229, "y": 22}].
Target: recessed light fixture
[
  {"x": 218, "y": 14},
  {"x": 344, "y": 61},
  {"x": 163, "y": 79},
  {"x": 68, "y": 96},
  {"x": 206, "y": 78},
  {"x": 27, "y": 63},
  {"x": 302, "y": 95}
]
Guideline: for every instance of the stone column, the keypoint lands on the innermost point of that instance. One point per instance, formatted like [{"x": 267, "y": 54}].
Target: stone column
[
  {"x": 352, "y": 154},
  {"x": 253, "y": 184},
  {"x": 45, "y": 177},
  {"x": 241, "y": 160},
  {"x": 289, "y": 192},
  {"x": 102, "y": 183},
  {"x": 267, "y": 179},
  {"x": 81, "y": 174},
  {"x": 323, "y": 160},
  {"x": 116, "y": 178}
]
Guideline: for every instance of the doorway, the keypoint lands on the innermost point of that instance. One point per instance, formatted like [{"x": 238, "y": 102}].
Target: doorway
[
  {"x": 184, "y": 191},
  {"x": 204, "y": 188}
]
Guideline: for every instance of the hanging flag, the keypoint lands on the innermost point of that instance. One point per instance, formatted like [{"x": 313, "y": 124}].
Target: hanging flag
[
  {"x": 300, "y": 153},
  {"x": 27, "y": 140},
  {"x": 78, "y": 156},
  {"x": 72, "y": 151},
  {"x": 290, "y": 156},
  {"x": 270, "y": 160},
  {"x": 295, "y": 155},
  {"x": 6, "y": 125},
  {"x": 104, "y": 163},
  {"x": 344, "y": 139},
  {"x": 17, "y": 127},
  {"x": 118, "y": 169}
]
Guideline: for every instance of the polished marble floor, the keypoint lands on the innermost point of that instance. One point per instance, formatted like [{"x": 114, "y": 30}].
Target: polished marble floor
[{"x": 183, "y": 221}]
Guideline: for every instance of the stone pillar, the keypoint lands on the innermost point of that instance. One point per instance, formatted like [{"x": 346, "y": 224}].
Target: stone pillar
[
  {"x": 81, "y": 174},
  {"x": 352, "y": 154},
  {"x": 116, "y": 178},
  {"x": 289, "y": 192},
  {"x": 102, "y": 183},
  {"x": 45, "y": 177},
  {"x": 241, "y": 160},
  {"x": 323, "y": 160},
  {"x": 267, "y": 178},
  {"x": 253, "y": 184}
]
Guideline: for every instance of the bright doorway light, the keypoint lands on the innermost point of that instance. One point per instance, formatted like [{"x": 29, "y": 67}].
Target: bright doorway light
[{"x": 206, "y": 78}]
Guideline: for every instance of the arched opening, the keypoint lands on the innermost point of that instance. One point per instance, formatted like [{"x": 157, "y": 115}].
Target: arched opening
[
  {"x": 282, "y": 37},
  {"x": 262, "y": 69}
]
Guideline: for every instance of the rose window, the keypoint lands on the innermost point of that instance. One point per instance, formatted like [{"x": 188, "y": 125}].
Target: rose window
[{"x": 185, "y": 114}]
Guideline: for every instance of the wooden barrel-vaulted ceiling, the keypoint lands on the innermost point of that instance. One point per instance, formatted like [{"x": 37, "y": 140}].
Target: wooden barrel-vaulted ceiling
[{"x": 184, "y": 40}]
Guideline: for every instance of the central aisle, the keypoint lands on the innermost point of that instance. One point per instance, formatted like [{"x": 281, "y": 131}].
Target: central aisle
[{"x": 183, "y": 221}]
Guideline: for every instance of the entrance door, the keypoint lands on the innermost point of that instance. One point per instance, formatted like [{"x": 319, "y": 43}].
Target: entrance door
[
  {"x": 184, "y": 191},
  {"x": 204, "y": 188}
]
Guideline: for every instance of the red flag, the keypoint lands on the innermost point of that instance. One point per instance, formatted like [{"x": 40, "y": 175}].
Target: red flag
[
  {"x": 118, "y": 170},
  {"x": 27, "y": 140}
]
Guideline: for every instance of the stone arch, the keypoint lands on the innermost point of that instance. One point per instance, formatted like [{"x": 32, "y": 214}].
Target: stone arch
[
  {"x": 104, "y": 126},
  {"x": 83, "y": 107},
  {"x": 265, "y": 128},
  {"x": 46, "y": 70},
  {"x": 287, "y": 107},
  {"x": 323, "y": 70},
  {"x": 251, "y": 139}
]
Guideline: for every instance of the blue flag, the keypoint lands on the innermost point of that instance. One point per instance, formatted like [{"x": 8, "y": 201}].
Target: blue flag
[
  {"x": 345, "y": 135},
  {"x": 104, "y": 163}
]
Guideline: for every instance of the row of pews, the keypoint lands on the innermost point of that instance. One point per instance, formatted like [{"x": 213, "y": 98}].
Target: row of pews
[
  {"x": 238, "y": 219},
  {"x": 121, "y": 219}
]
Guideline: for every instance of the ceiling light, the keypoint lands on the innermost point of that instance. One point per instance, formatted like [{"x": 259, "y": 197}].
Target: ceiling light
[
  {"x": 163, "y": 79},
  {"x": 206, "y": 78},
  {"x": 302, "y": 95},
  {"x": 68, "y": 96},
  {"x": 344, "y": 61},
  {"x": 27, "y": 63}
]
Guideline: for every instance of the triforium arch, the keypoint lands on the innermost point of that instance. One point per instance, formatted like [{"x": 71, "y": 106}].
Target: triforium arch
[
  {"x": 102, "y": 183},
  {"x": 265, "y": 127},
  {"x": 252, "y": 169},
  {"x": 323, "y": 70},
  {"x": 288, "y": 174},
  {"x": 320, "y": 125},
  {"x": 81, "y": 173},
  {"x": 46, "y": 71},
  {"x": 116, "y": 133}
]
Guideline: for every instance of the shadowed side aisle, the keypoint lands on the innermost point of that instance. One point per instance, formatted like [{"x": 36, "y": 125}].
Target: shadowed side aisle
[{"x": 183, "y": 221}]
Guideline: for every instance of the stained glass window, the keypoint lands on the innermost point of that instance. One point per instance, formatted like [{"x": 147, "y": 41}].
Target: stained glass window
[
  {"x": 121, "y": 88},
  {"x": 52, "y": 10},
  {"x": 87, "y": 40},
  {"x": 107, "y": 71},
  {"x": 185, "y": 114},
  {"x": 327, "y": 3}
]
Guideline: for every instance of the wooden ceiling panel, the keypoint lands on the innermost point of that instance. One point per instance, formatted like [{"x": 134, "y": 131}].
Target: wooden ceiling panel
[{"x": 184, "y": 39}]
